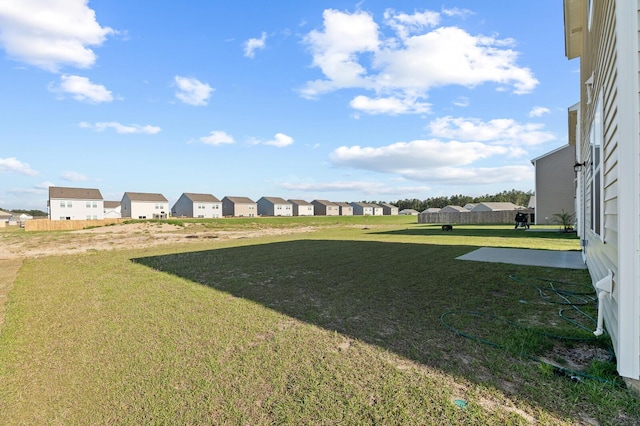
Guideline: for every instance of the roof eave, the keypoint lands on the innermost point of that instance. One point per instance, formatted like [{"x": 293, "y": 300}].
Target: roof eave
[{"x": 573, "y": 13}]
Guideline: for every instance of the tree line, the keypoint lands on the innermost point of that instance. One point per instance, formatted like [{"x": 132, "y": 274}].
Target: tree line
[
  {"x": 34, "y": 213},
  {"x": 517, "y": 197}
]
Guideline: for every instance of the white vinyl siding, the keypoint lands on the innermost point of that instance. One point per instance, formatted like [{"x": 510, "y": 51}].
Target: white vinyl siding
[{"x": 609, "y": 145}]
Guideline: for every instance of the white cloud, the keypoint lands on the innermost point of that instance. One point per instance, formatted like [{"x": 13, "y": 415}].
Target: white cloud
[
  {"x": 473, "y": 176},
  {"x": 192, "y": 91},
  {"x": 73, "y": 177},
  {"x": 44, "y": 185},
  {"x": 501, "y": 131},
  {"x": 353, "y": 53},
  {"x": 120, "y": 128},
  {"x": 13, "y": 165},
  {"x": 50, "y": 34},
  {"x": 253, "y": 44},
  {"x": 391, "y": 105},
  {"x": 403, "y": 157},
  {"x": 280, "y": 140},
  {"x": 217, "y": 137},
  {"x": 539, "y": 111},
  {"x": 462, "y": 101},
  {"x": 81, "y": 89},
  {"x": 404, "y": 24}
]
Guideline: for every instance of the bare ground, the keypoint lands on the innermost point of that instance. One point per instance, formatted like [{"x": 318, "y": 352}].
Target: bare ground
[{"x": 18, "y": 245}]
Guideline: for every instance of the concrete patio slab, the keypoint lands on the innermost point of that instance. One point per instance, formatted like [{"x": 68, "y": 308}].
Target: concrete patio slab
[{"x": 549, "y": 258}]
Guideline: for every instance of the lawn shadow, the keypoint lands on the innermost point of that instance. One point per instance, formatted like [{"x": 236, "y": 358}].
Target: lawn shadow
[
  {"x": 477, "y": 231},
  {"x": 387, "y": 294}
]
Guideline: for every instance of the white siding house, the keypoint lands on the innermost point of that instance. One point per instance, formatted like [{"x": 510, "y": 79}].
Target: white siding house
[
  {"x": 197, "y": 205},
  {"x": 606, "y": 128},
  {"x": 345, "y": 208},
  {"x": 75, "y": 203},
  {"x": 142, "y": 205},
  {"x": 362, "y": 209},
  {"x": 302, "y": 208},
  {"x": 274, "y": 206},
  {"x": 112, "y": 210}
]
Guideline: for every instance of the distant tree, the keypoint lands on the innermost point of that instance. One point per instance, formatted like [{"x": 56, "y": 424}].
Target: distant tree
[
  {"x": 34, "y": 213},
  {"x": 517, "y": 197}
]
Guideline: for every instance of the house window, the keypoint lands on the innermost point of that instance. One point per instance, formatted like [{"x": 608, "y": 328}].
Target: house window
[
  {"x": 88, "y": 217},
  {"x": 94, "y": 204},
  {"x": 88, "y": 204},
  {"x": 62, "y": 204},
  {"x": 69, "y": 204},
  {"x": 596, "y": 182}
]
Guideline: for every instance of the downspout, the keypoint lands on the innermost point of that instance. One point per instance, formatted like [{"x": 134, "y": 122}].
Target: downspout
[{"x": 605, "y": 285}]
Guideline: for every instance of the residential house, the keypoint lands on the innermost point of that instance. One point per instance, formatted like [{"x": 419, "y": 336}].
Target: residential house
[
  {"x": 75, "y": 203},
  {"x": 494, "y": 207},
  {"x": 555, "y": 184},
  {"x": 408, "y": 212},
  {"x": 345, "y": 208},
  {"x": 239, "y": 207},
  {"x": 389, "y": 209},
  {"x": 364, "y": 209},
  {"x": 605, "y": 128},
  {"x": 274, "y": 206},
  {"x": 432, "y": 210},
  {"x": 470, "y": 206},
  {"x": 144, "y": 205},
  {"x": 197, "y": 205},
  {"x": 325, "y": 208},
  {"x": 302, "y": 208},
  {"x": 5, "y": 216},
  {"x": 452, "y": 209},
  {"x": 112, "y": 210}
]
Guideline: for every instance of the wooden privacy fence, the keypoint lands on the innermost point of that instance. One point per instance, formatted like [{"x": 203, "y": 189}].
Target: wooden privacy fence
[
  {"x": 66, "y": 225},
  {"x": 499, "y": 217}
]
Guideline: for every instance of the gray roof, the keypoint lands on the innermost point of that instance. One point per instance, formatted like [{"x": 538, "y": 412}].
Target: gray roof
[
  {"x": 276, "y": 200},
  {"x": 388, "y": 205},
  {"x": 370, "y": 205},
  {"x": 453, "y": 208},
  {"x": 300, "y": 202},
  {"x": 496, "y": 206},
  {"x": 323, "y": 202},
  {"x": 145, "y": 196},
  {"x": 240, "y": 200},
  {"x": 111, "y": 204},
  {"x": 5, "y": 214},
  {"x": 60, "y": 192},
  {"x": 341, "y": 204},
  {"x": 201, "y": 198}
]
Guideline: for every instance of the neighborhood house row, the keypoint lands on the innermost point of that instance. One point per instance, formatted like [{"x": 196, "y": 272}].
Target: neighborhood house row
[{"x": 88, "y": 204}]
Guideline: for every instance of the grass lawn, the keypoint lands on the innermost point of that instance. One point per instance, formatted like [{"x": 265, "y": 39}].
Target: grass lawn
[{"x": 361, "y": 321}]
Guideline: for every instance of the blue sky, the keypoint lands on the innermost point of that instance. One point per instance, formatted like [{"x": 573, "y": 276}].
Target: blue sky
[{"x": 338, "y": 100}]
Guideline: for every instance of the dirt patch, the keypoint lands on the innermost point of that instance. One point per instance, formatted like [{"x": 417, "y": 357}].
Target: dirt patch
[
  {"x": 575, "y": 358},
  {"x": 20, "y": 245}
]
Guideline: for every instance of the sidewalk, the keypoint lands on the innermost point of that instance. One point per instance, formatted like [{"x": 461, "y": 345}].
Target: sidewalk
[{"x": 549, "y": 258}]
